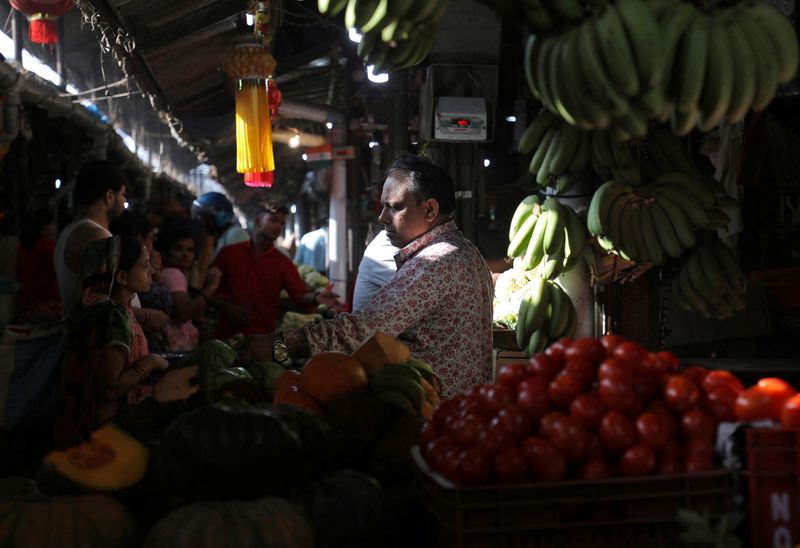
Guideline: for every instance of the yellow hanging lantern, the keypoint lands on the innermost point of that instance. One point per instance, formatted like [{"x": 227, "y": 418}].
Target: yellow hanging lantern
[{"x": 250, "y": 65}]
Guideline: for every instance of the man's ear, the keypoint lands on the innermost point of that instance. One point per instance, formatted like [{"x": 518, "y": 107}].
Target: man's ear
[
  {"x": 431, "y": 209},
  {"x": 110, "y": 196}
]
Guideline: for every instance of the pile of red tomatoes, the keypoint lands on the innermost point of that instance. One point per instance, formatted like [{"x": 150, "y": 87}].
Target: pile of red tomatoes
[{"x": 593, "y": 408}]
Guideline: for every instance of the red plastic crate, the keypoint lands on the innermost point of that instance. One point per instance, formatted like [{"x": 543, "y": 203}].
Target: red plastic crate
[
  {"x": 773, "y": 474},
  {"x": 616, "y": 512}
]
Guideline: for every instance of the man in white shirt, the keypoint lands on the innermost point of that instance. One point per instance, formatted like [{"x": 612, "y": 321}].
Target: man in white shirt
[
  {"x": 98, "y": 196},
  {"x": 376, "y": 269}
]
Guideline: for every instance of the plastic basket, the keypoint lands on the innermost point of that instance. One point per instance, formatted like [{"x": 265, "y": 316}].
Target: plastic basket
[
  {"x": 618, "y": 512},
  {"x": 773, "y": 476}
]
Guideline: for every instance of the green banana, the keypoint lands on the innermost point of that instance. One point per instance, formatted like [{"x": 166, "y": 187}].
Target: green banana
[
  {"x": 558, "y": 315},
  {"x": 683, "y": 122},
  {"x": 718, "y": 84},
  {"x": 544, "y": 145},
  {"x": 593, "y": 70},
  {"x": 675, "y": 24},
  {"x": 524, "y": 209},
  {"x": 522, "y": 237},
  {"x": 597, "y": 217},
  {"x": 539, "y": 300},
  {"x": 531, "y": 53},
  {"x": 782, "y": 36},
  {"x": 655, "y": 253},
  {"x": 569, "y": 11},
  {"x": 713, "y": 271},
  {"x": 402, "y": 370},
  {"x": 567, "y": 145},
  {"x": 690, "y": 294},
  {"x": 690, "y": 184},
  {"x": 580, "y": 159},
  {"x": 553, "y": 265},
  {"x": 543, "y": 175},
  {"x": 524, "y": 311},
  {"x": 379, "y": 13},
  {"x": 645, "y": 39},
  {"x": 685, "y": 201},
  {"x": 398, "y": 400},
  {"x": 692, "y": 57},
  {"x": 744, "y": 82},
  {"x": 679, "y": 221},
  {"x": 616, "y": 51},
  {"x": 399, "y": 384},
  {"x": 666, "y": 232},
  {"x": 537, "y": 343},
  {"x": 535, "y": 132},
  {"x": 638, "y": 235},
  {"x": 699, "y": 281},
  {"x": 553, "y": 238}
]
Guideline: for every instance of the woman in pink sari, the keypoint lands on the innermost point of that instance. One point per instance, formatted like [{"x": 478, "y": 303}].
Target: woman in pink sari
[{"x": 106, "y": 360}]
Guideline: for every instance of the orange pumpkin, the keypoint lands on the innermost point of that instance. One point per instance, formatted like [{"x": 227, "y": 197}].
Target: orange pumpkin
[
  {"x": 292, "y": 395},
  {"x": 288, "y": 379},
  {"x": 330, "y": 376}
]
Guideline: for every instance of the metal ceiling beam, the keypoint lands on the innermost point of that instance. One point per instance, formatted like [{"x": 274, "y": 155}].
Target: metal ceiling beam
[{"x": 150, "y": 38}]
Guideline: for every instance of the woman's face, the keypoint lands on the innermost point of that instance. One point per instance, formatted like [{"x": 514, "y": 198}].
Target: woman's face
[
  {"x": 181, "y": 254},
  {"x": 140, "y": 275}
]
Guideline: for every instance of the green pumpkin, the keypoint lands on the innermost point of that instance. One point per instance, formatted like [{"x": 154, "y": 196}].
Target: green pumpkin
[
  {"x": 265, "y": 373},
  {"x": 312, "y": 431},
  {"x": 211, "y": 356},
  {"x": 30, "y": 519},
  {"x": 223, "y": 451},
  {"x": 228, "y": 383},
  {"x": 264, "y": 523},
  {"x": 346, "y": 508}
]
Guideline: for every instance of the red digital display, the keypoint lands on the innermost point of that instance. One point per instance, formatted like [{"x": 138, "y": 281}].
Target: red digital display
[{"x": 462, "y": 122}]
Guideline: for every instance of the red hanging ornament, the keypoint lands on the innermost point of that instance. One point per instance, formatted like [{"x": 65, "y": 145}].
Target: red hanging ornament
[
  {"x": 42, "y": 15},
  {"x": 274, "y": 97},
  {"x": 259, "y": 178}
]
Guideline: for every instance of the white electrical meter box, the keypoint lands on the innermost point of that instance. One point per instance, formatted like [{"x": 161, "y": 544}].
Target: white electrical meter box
[{"x": 460, "y": 119}]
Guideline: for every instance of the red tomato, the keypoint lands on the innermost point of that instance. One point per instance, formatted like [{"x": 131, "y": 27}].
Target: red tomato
[
  {"x": 617, "y": 433},
  {"x": 427, "y": 433},
  {"x": 698, "y": 447},
  {"x": 446, "y": 408},
  {"x": 569, "y": 437},
  {"x": 764, "y": 400},
  {"x": 544, "y": 365},
  {"x": 593, "y": 447},
  {"x": 493, "y": 440},
  {"x": 696, "y": 373},
  {"x": 618, "y": 394},
  {"x": 790, "y": 415},
  {"x": 680, "y": 393},
  {"x": 510, "y": 464},
  {"x": 670, "y": 465},
  {"x": 653, "y": 429},
  {"x": 666, "y": 362},
  {"x": 475, "y": 466},
  {"x": 557, "y": 350},
  {"x": 497, "y": 397},
  {"x": 515, "y": 420},
  {"x": 647, "y": 387},
  {"x": 631, "y": 354},
  {"x": 672, "y": 450},
  {"x": 532, "y": 396},
  {"x": 613, "y": 368},
  {"x": 564, "y": 388},
  {"x": 436, "y": 450},
  {"x": 547, "y": 424},
  {"x": 466, "y": 428},
  {"x": 639, "y": 460},
  {"x": 512, "y": 374},
  {"x": 546, "y": 462},
  {"x": 698, "y": 463},
  {"x": 721, "y": 401},
  {"x": 581, "y": 369},
  {"x": 588, "y": 410},
  {"x": 611, "y": 341},
  {"x": 721, "y": 378},
  {"x": 698, "y": 424},
  {"x": 448, "y": 466},
  {"x": 595, "y": 468},
  {"x": 588, "y": 349}
]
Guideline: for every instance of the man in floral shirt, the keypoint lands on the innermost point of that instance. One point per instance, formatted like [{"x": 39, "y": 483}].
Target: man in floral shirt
[{"x": 440, "y": 300}]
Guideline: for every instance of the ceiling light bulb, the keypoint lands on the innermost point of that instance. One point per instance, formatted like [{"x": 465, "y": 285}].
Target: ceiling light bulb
[
  {"x": 376, "y": 78},
  {"x": 249, "y": 18},
  {"x": 487, "y": 162},
  {"x": 294, "y": 142}
]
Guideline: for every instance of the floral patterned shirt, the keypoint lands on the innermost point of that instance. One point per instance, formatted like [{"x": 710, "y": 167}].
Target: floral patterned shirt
[{"x": 439, "y": 303}]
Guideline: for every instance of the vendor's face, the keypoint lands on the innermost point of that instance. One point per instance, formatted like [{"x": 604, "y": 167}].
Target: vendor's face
[
  {"x": 404, "y": 218},
  {"x": 116, "y": 203},
  {"x": 181, "y": 254},
  {"x": 139, "y": 277},
  {"x": 270, "y": 226}
]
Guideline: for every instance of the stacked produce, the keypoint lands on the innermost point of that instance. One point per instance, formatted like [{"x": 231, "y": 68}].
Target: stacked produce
[
  {"x": 549, "y": 236},
  {"x": 622, "y": 64},
  {"x": 647, "y": 224},
  {"x": 546, "y": 314},
  {"x": 582, "y": 409},
  {"x": 710, "y": 282},
  {"x": 561, "y": 152},
  {"x": 311, "y": 277},
  {"x": 394, "y": 33}
]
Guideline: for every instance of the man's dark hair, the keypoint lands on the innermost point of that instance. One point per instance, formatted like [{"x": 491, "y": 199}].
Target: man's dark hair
[
  {"x": 95, "y": 178},
  {"x": 272, "y": 207},
  {"x": 426, "y": 180}
]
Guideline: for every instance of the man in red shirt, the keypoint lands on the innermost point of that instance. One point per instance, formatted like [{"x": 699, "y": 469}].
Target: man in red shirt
[{"x": 253, "y": 275}]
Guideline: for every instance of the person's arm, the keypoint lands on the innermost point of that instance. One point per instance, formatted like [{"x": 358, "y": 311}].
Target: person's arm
[
  {"x": 79, "y": 241},
  {"x": 151, "y": 318},
  {"x": 114, "y": 380},
  {"x": 184, "y": 306}
]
